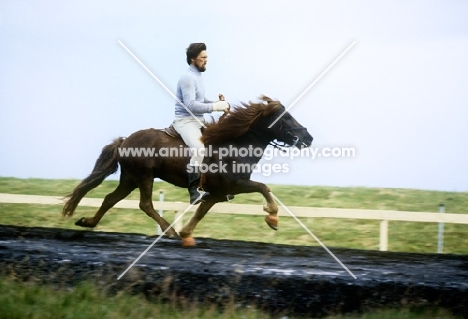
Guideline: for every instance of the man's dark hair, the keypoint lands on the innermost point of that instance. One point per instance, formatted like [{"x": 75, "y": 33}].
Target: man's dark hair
[{"x": 194, "y": 50}]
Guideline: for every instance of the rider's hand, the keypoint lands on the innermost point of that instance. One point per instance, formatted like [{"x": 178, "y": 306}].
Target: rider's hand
[{"x": 221, "y": 106}]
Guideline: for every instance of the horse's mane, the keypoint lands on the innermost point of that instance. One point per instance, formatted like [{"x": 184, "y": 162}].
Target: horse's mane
[{"x": 238, "y": 120}]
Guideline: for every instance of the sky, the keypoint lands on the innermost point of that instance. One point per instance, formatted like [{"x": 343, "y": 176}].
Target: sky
[{"x": 398, "y": 97}]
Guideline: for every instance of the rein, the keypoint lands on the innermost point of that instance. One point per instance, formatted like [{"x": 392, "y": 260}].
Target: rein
[{"x": 272, "y": 143}]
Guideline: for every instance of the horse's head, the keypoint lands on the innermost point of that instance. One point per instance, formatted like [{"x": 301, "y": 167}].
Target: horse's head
[
  {"x": 256, "y": 118},
  {"x": 286, "y": 129}
]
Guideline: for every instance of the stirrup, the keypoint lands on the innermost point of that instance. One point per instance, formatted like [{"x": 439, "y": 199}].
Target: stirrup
[{"x": 201, "y": 197}]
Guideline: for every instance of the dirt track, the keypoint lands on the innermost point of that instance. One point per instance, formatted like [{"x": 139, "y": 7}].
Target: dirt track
[{"x": 278, "y": 278}]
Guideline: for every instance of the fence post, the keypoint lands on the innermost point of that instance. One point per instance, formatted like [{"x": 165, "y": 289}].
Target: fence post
[
  {"x": 178, "y": 226},
  {"x": 440, "y": 242},
  {"x": 160, "y": 212},
  {"x": 383, "y": 235}
]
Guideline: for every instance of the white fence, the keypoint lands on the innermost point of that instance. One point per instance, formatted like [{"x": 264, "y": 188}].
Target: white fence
[{"x": 226, "y": 208}]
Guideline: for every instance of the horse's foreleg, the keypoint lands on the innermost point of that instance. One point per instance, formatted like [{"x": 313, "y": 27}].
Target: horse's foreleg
[
  {"x": 248, "y": 186},
  {"x": 187, "y": 230},
  {"x": 272, "y": 209},
  {"x": 125, "y": 187}
]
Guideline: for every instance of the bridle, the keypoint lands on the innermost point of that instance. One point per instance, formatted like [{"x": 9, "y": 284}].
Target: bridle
[
  {"x": 295, "y": 137},
  {"x": 282, "y": 145}
]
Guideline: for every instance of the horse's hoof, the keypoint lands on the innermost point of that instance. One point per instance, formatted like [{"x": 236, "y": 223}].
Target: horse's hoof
[
  {"x": 272, "y": 221},
  {"x": 188, "y": 242},
  {"x": 81, "y": 222},
  {"x": 172, "y": 234}
]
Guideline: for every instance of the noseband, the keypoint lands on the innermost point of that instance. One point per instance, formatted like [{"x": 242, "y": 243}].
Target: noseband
[
  {"x": 282, "y": 145},
  {"x": 295, "y": 137}
]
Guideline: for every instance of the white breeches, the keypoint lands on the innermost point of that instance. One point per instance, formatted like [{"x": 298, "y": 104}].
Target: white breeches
[{"x": 189, "y": 129}]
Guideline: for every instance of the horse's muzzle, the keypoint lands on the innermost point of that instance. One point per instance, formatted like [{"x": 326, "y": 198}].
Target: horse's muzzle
[{"x": 305, "y": 141}]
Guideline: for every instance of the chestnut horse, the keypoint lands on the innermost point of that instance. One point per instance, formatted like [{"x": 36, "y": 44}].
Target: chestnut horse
[{"x": 244, "y": 127}]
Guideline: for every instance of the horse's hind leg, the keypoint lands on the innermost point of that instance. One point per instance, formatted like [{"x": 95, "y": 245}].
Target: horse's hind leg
[
  {"x": 146, "y": 205},
  {"x": 187, "y": 230},
  {"x": 125, "y": 187}
]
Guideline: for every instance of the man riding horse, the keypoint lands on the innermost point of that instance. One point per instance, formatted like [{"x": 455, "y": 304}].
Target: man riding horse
[
  {"x": 253, "y": 125},
  {"x": 189, "y": 110}
]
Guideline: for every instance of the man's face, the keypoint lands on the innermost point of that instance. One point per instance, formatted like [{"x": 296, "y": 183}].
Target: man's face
[{"x": 200, "y": 61}]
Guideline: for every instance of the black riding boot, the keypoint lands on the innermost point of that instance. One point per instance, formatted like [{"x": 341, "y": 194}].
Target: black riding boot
[{"x": 194, "y": 180}]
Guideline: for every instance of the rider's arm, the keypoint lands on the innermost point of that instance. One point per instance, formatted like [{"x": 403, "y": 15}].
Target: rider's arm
[{"x": 188, "y": 90}]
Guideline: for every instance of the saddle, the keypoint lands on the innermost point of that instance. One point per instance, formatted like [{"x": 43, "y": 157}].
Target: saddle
[{"x": 171, "y": 131}]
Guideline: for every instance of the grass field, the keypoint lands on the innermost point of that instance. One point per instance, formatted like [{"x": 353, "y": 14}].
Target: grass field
[
  {"x": 360, "y": 234},
  {"x": 30, "y": 301}
]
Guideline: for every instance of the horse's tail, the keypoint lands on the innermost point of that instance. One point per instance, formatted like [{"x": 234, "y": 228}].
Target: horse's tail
[{"x": 106, "y": 164}]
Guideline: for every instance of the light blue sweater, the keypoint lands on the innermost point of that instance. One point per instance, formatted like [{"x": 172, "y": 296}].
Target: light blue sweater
[{"x": 191, "y": 92}]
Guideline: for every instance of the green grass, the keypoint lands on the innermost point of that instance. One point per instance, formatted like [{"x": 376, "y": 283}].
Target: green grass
[
  {"x": 346, "y": 233},
  {"x": 26, "y": 300}
]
